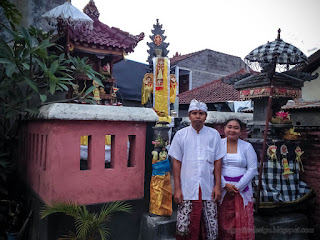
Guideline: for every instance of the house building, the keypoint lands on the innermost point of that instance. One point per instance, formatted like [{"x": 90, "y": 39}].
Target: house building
[
  {"x": 311, "y": 90},
  {"x": 198, "y": 68}
]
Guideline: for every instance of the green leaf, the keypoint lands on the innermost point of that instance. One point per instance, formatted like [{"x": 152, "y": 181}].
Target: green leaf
[
  {"x": 53, "y": 67},
  {"x": 52, "y": 87},
  {"x": 98, "y": 81},
  {"x": 43, "y": 98},
  {"x": 90, "y": 75},
  {"x": 5, "y": 50},
  {"x": 26, "y": 66},
  {"x": 45, "y": 44},
  {"x": 42, "y": 65},
  {"x": 89, "y": 90},
  {"x": 10, "y": 69},
  {"x": 26, "y": 36},
  {"x": 63, "y": 86},
  {"x": 4, "y": 60},
  {"x": 31, "y": 84},
  {"x": 61, "y": 57}
]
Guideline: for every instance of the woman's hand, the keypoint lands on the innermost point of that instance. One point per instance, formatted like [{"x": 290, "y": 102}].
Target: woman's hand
[{"x": 231, "y": 189}]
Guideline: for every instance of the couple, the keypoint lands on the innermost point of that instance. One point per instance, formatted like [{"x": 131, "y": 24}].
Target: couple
[{"x": 207, "y": 171}]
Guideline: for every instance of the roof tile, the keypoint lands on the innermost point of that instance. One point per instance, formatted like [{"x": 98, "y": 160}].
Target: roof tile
[
  {"x": 213, "y": 92},
  {"x": 104, "y": 35}
]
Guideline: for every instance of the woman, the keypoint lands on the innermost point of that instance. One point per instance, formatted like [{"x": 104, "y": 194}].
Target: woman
[{"x": 239, "y": 166}]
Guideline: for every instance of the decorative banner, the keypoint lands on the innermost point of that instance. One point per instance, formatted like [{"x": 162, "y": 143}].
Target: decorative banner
[
  {"x": 159, "y": 74},
  {"x": 286, "y": 167},
  {"x": 161, "y": 86},
  {"x": 173, "y": 88},
  {"x": 299, "y": 152},
  {"x": 147, "y": 88},
  {"x": 272, "y": 153},
  {"x": 265, "y": 92}
]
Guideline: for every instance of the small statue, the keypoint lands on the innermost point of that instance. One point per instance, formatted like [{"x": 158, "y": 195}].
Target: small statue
[
  {"x": 160, "y": 184},
  {"x": 299, "y": 152},
  {"x": 96, "y": 92},
  {"x": 147, "y": 88}
]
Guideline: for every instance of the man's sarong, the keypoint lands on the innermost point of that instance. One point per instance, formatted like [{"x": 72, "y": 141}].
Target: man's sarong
[
  {"x": 197, "y": 220},
  {"x": 235, "y": 220}
]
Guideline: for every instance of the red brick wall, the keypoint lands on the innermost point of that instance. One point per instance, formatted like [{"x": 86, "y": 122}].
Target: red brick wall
[{"x": 310, "y": 144}]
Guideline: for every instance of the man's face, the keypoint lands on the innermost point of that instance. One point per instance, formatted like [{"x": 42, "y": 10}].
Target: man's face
[{"x": 197, "y": 118}]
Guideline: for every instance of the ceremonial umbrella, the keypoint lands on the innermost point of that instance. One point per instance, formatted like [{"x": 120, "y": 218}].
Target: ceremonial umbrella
[
  {"x": 69, "y": 15},
  {"x": 268, "y": 56},
  {"x": 277, "y": 51}
]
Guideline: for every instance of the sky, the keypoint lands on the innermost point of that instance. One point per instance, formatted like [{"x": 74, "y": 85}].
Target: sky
[{"x": 234, "y": 27}]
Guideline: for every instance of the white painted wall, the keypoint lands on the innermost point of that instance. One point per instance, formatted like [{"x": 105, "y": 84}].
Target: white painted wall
[{"x": 311, "y": 90}]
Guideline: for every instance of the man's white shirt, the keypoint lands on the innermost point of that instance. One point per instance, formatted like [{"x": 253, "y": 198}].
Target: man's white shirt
[{"x": 197, "y": 153}]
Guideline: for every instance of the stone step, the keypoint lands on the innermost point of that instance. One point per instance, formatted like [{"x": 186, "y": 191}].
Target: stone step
[{"x": 158, "y": 227}]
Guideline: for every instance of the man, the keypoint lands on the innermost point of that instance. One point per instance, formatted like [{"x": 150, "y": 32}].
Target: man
[{"x": 197, "y": 151}]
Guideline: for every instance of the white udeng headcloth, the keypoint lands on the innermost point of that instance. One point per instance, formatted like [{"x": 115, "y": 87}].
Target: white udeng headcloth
[{"x": 197, "y": 105}]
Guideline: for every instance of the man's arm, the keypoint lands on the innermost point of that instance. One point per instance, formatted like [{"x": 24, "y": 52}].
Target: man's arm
[
  {"x": 178, "y": 197},
  {"x": 216, "y": 194}
]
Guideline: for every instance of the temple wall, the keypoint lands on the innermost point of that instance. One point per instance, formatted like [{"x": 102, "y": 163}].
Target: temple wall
[{"x": 50, "y": 153}]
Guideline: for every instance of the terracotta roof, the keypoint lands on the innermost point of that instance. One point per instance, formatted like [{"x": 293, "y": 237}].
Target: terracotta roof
[
  {"x": 178, "y": 57},
  {"x": 213, "y": 92},
  {"x": 104, "y": 35},
  {"x": 301, "y": 105}
]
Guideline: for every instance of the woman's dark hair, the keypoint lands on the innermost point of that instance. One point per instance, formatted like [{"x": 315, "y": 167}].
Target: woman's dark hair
[{"x": 234, "y": 119}]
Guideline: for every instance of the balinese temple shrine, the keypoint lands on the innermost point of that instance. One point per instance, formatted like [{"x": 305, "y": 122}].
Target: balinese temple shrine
[
  {"x": 278, "y": 190},
  {"x": 104, "y": 46}
]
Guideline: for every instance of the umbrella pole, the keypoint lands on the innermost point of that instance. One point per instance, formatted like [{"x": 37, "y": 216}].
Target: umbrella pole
[
  {"x": 265, "y": 137},
  {"x": 264, "y": 146}
]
